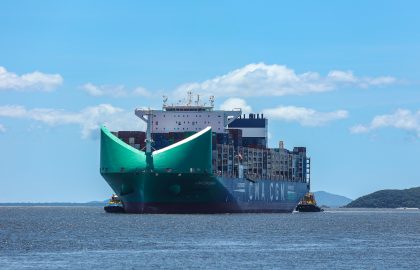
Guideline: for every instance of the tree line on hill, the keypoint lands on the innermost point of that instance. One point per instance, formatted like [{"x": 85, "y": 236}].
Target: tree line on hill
[{"x": 390, "y": 198}]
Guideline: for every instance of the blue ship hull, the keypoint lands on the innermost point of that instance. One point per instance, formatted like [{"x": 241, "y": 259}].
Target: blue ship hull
[{"x": 215, "y": 195}]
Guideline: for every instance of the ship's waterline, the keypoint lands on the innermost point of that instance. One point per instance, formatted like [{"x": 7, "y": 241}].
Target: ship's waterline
[{"x": 170, "y": 193}]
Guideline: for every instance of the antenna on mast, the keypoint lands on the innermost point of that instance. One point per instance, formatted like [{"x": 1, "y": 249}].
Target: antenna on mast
[
  {"x": 189, "y": 98},
  {"x": 165, "y": 99},
  {"x": 198, "y": 100},
  {"x": 211, "y": 101}
]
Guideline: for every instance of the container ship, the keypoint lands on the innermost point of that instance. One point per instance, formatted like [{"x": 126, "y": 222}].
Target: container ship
[{"x": 195, "y": 159}]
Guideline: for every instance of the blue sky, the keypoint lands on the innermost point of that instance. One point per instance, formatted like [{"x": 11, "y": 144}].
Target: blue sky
[{"x": 340, "y": 77}]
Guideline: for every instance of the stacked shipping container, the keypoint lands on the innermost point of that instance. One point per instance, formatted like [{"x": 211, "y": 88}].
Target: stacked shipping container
[{"x": 233, "y": 159}]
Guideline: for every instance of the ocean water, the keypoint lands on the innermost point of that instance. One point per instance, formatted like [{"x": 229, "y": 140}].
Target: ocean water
[{"x": 88, "y": 238}]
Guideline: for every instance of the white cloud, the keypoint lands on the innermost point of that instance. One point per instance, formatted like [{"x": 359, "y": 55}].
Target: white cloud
[
  {"x": 13, "y": 111},
  {"x": 114, "y": 90},
  {"x": 342, "y": 76},
  {"x": 235, "y": 103},
  {"x": 2, "y": 129},
  {"x": 89, "y": 119},
  {"x": 400, "y": 119},
  {"x": 105, "y": 90},
  {"x": 93, "y": 90},
  {"x": 29, "y": 81},
  {"x": 304, "y": 116},
  {"x": 359, "y": 129},
  {"x": 277, "y": 80},
  {"x": 142, "y": 92}
]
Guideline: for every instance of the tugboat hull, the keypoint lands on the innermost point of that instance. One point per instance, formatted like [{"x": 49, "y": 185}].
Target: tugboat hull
[
  {"x": 114, "y": 209},
  {"x": 308, "y": 208}
]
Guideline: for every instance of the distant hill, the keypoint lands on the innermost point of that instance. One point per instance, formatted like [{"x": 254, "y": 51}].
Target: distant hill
[
  {"x": 389, "y": 198},
  {"x": 331, "y": 200}
]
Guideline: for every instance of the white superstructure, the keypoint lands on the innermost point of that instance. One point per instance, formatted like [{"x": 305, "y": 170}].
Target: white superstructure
[{"x": 184, "y": 118}]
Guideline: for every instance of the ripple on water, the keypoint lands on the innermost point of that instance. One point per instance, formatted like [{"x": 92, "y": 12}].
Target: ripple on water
[{"x": 86, "y": 237}]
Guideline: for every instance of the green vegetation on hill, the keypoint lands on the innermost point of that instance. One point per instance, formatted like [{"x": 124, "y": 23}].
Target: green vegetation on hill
[{"x": 390, "y": 198}]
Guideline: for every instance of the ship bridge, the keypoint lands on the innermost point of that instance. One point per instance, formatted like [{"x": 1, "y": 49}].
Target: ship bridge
[{"x": 190, "y": 117}]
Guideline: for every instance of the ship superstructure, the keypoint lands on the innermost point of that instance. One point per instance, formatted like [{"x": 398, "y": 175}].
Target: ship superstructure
[
  {"x": 190, "y": 117},
  {"x": 193, "y": 159}
]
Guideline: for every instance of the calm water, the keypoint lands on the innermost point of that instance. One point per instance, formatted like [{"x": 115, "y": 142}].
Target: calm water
[{"x": 88, "y": 238}]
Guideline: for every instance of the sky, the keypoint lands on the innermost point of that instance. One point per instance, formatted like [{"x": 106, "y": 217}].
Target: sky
[{"x": 339, "y": 77}]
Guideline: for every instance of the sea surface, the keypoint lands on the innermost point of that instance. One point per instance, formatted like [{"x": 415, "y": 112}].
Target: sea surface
[{"x": 87, "y": 238}]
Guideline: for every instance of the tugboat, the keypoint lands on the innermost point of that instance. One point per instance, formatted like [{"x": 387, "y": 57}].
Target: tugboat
[
  {"x": 114, "y": 205},
  {"x": 308, "y": 204}
]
